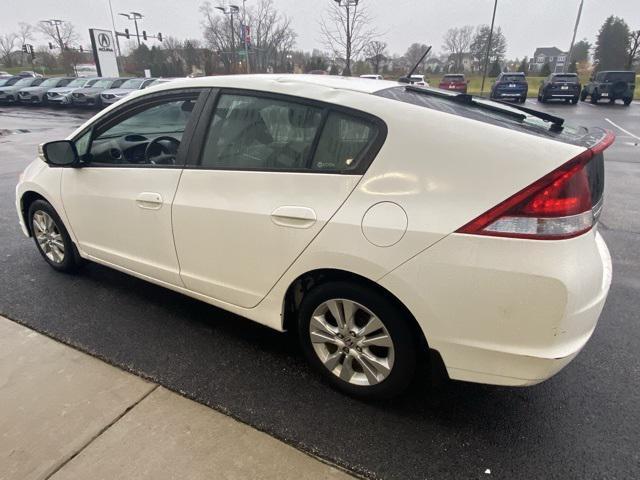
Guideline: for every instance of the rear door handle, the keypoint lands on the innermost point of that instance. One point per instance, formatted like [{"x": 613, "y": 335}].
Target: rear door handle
[
  {"x": 149, "y": 200},
  {"x": 294, "y": 217}
]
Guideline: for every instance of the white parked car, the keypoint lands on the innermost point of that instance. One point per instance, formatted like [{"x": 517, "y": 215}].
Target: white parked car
[
  {"x": 353, "y": 212},
  {"x": 112, "y": 95},
  {"x": 418, "y": 80}
]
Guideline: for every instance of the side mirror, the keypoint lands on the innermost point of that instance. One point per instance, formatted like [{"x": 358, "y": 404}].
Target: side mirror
[{"x": 61, "y": 153}]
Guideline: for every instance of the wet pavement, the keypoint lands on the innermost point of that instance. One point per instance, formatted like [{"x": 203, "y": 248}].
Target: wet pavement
[{"x": 583, "y": 423}]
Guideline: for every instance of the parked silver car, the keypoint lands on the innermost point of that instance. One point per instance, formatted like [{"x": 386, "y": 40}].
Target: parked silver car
[
  {"x": 38, "y": 94},
  {"x": 9, "y": 91},
  {"x": 114, "y": 94},
  {"x": 62, "y": 95},
  {"x": 90, "y": 96}
]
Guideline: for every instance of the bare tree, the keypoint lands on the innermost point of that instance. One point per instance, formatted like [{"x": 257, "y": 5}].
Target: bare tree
[
  {"x": 63, "y": 35},
  {"x": 346, "y": 30},
  {"x": 376, "y": 54},
  {"x": 457, "y": 42},
  {"x": 272, "y": 37},
  {"x": 634, "y": 48},
  {"x": 414, "y": 53},
  {"x": 8, "y": 43}
]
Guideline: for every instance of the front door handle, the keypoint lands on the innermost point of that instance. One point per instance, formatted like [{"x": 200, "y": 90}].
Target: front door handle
[
  {"x": 294, "y": 217},
  {"x": 149, "y": 200}
]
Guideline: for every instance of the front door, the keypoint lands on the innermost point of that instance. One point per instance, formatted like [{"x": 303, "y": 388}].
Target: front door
[
  {"x": 119, "y": 202},
  {"x": 272, "y": 172}
]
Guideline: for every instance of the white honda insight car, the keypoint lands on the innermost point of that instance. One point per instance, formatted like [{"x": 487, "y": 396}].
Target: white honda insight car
[{"x": 379, "y": 220}]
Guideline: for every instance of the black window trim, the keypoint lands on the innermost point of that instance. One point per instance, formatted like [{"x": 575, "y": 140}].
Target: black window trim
[
  {"x": 366, "y": 157},
  {"x": 139, "y": 104}
]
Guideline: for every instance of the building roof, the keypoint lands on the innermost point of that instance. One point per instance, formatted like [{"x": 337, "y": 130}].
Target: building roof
[{"x": 548, "y": 52}]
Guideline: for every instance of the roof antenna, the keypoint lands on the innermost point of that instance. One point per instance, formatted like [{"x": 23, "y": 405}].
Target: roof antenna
[{"x": 407, "y": 78}]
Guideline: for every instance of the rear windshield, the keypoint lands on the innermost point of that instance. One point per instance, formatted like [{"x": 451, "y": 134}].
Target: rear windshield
[
  {"x": 532, "y": 125},
  {"x": 513, "y": 78},
  {"x": 453, "y": 78},
  {"x": 617, "y": 77},
  {"x": 566, "y": 78}
]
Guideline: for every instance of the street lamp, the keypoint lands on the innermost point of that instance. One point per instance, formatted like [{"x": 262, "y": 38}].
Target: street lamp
[
  {"x": 231, "y": 10},
  {"x": 56, "y": 23},
  {"x": 135, "y": 16}
]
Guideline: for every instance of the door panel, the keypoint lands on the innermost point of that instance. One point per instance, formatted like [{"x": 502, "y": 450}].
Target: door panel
[
  {"x": 230, "y": 244},
  {"x": 123, "y": 216}
]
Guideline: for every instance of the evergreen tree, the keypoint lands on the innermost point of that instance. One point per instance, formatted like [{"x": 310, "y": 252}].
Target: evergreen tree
[
  {"x": 612, "y": 45},
  {"x": 546, "y": 70},
  {"x": 581, "y": 51},
  {"x": 524, "y": 66},
  {"x": 495, "y": 69}
]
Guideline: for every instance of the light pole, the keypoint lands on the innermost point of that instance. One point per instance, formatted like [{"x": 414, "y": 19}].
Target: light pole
[
  {"x": 231, "y": 10},
  {"x": 486, "y": 57},
  {"x": 573, "y": 39},
  {"x": 113, "y": 24},
  {"x": 347, "y": 4},
  {"x": 135, "y": 16}
]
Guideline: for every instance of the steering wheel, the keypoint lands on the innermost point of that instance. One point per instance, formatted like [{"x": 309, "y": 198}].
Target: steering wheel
[{"x": 168, "y": 150}]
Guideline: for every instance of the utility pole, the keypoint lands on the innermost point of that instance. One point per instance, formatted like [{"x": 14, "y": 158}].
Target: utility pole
[
  {"x": 231, "y": 10},
  {"x": 56, "y": 23},
  {"x": 347, "y": 4},
  {"x": 486, "y": 57},
  {"x": 113, "y": 24},
  {"x": 573, "y": 39},
  {"x": 245, "y": 35}
]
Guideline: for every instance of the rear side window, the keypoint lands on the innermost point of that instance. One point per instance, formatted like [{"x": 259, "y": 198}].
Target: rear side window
[
  {"x": 628, "y": 77},
  {"x": 453, "y": 78},
  {"x": 566, "y": 78},
  {"x": 249, "y": 132},
  {"x": 343, "y": 142},
  {"x": 513, "y": 78}
]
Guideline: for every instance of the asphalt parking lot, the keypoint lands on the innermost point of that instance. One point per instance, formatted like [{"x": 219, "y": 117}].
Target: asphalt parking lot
[{"x": 583, "y": 423}]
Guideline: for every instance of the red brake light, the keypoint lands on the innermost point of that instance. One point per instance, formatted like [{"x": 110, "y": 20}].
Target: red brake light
[{"x": 557, "y": 206}]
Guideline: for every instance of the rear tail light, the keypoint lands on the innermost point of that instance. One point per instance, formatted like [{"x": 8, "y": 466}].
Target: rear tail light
[{"x": 563, "y": 204}]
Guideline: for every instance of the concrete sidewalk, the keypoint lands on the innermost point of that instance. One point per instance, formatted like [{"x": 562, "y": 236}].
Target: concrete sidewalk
[{"x": 66, "y": 415}]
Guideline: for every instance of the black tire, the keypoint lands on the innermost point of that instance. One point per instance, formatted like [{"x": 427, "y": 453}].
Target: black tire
[
  {"x": 627, "y": 101},
  {"x": 574, "y": 100},
  {"x": 71, "y": 259},
  {"x": 392, "y": 317},
  {"x": 583, "y": 95},
  {"x": 542, "y": 99},
  {"x": 594, "y": 98}
]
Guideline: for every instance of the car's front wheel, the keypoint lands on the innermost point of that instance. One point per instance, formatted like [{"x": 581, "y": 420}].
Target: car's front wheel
[
  {"x": 360, "y": 341},
  {"x": 51, "y": 237}
]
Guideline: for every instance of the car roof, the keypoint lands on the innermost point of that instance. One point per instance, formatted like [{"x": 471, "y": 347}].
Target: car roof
[{"x": 269, "y": 82}]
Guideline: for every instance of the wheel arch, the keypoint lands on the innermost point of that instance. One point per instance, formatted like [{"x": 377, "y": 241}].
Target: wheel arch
[
  {"x": 306, "y": 281},
  {"x": 26, "y": 200}
]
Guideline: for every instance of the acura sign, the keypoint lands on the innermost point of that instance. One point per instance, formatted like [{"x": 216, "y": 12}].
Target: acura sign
[{"x": 104, "y": 52}]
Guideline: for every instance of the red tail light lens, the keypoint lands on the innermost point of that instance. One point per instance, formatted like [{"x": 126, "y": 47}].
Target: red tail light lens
[{"x": 560, "y": 205}]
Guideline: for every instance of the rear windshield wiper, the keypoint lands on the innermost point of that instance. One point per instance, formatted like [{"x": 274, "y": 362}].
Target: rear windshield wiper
[
  {"x": 556, "y": 122},
  {"x": 464, "y": 98}
]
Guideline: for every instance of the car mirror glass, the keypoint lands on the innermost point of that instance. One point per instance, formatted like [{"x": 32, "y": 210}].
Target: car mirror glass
[{"x": 59, "y": 153}]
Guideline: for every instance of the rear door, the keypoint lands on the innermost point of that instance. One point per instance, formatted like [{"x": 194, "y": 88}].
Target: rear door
[{"x": 267, "y": 173}]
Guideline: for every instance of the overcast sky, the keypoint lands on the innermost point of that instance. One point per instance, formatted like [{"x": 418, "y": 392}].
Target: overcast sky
[{"x": 527, "y": 24}]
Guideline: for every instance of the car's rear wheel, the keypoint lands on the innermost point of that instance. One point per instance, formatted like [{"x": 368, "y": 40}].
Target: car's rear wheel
[
  {"x": 51, "y": 237},
  {"x": 357, "y": 339},
  {"x": 594, "y": 98},
  {"x": 583, "y": 95},
  {"x": 542, "y": 98},
  {"x": 627, "y": 101},
  {"x": 574, "y": 100}
]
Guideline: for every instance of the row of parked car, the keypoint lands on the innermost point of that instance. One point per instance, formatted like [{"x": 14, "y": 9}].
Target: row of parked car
[{"x": 70, "y": 91}]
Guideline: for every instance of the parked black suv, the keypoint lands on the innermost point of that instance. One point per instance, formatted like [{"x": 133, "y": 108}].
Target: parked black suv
[
  {"x": 510, "y": 86},
  {"x": 560, "y": 86},
  {"x": 610, "y": 86}
]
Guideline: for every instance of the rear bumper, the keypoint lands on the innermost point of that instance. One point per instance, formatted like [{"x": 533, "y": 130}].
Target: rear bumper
[{"x": 504, "y": 311}]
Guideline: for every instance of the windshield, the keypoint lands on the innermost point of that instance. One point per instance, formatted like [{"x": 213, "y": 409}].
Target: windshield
[
  {"x": 24, "y": 82},
  {"x": 50, "y": 82},
  {"x": 133, "y": 83},
  {"x": 453, "y": 78},
  {"x": 78, "y": 82},
  {"x": 513, "y": 78},
  {"x": 103, "y": 83}
]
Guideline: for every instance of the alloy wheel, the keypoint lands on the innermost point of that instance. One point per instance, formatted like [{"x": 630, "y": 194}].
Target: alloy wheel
[
  {"x": 48, "y": 236},
  {"x": 351, "y": 342}
]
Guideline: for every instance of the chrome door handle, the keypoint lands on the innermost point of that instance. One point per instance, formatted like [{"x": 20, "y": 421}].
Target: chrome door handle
[
  {"x": 149, "y": 200},
  {"x": 294, "y": 217}
]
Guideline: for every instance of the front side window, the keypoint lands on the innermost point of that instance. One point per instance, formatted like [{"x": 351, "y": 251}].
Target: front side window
[
  {"x": 249, "y": 132},
  {"x": 343, "y": 142},
  {"x": 149, "y": 136}
]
